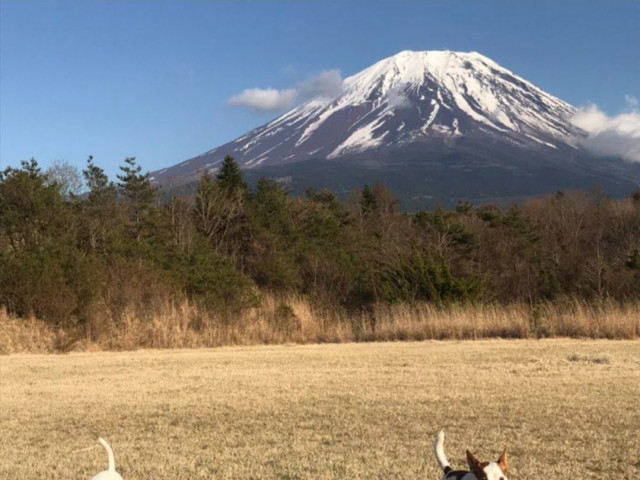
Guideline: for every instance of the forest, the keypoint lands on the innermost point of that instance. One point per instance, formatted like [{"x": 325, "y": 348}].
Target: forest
[{"x": 82, "y": 253}]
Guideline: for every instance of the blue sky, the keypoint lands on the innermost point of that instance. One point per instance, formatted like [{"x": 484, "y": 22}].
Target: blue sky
[{"x": 153, "y": 79}]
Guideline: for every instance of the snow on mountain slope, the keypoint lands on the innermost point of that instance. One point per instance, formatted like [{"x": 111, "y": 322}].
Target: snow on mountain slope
[{"x": 409, "y": 98}]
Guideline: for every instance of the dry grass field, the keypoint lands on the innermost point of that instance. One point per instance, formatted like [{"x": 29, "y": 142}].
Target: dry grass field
[
  {"x": 293, "y": 319},
  {"x": 565, "y": 409}
]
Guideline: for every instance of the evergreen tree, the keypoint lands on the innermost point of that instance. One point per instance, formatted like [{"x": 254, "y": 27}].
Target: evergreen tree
[
  {"x": 220, "y": 209},
  {"x": 41, "y": 270},
  {"x": 136, "y": 189},
  {"x": 138, "y": 195},
  {"x": 274, "y": 250},
  {"x": 368, "y": 203},
  {"x": 101, "y": 190},
  {"x": 101, "y": 217},
  {"x": 230, "y": 178},
  {"x": 30, "y": 206}
]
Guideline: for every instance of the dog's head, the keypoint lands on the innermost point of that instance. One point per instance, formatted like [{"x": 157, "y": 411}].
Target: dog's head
[{"x": 489, "y": 470}]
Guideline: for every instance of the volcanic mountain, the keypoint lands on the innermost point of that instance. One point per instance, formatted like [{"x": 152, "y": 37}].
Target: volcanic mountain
[{"x": 435, "y": 126}]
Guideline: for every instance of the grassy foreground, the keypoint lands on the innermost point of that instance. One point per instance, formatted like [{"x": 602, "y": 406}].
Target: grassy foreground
[{"x": 563, "y": 409}]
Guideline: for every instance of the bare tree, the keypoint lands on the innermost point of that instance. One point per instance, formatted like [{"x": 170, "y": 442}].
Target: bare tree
[{"x": 66, "y": 176}]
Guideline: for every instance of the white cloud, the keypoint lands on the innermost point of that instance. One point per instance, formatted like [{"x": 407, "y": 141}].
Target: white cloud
[
  {"x": 265, "y": 100},
  {"x": 617, "y": 135},
  {"x": 327, "y": 85},
  {"x": 396, "y": 98}
]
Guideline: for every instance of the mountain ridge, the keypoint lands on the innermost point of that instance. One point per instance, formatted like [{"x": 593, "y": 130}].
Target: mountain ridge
[{"x": 430, "y": 99}]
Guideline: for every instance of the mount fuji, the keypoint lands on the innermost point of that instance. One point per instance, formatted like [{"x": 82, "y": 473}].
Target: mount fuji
[{"x": 435, "y": 126}]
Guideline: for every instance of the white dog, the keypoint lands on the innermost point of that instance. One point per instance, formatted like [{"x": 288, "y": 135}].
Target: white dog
[
  {"x": 477, "y": 470},
  {"x": 110, "y": 473}
]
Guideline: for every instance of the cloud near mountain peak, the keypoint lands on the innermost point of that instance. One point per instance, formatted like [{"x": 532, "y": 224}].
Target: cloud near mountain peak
[
  {"x": 617, "y": 135},
  {"x": 327, "y": 84}
]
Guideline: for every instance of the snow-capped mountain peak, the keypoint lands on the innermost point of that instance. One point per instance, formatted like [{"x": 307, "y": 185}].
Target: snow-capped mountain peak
[
  {"x": 440, "y": 83},
  {"x": 413, "y": 97}
]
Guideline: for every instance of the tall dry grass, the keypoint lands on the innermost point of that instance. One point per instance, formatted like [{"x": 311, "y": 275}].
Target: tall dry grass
[{"x": 294, "y": 319}]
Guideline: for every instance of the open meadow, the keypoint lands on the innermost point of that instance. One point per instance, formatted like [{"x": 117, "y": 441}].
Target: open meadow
[{"x": 564, "y": 409}]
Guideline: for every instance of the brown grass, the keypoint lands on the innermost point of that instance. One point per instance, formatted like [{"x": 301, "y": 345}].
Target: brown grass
[
  {"x": 25, "y": 335},
  {"x": 325, "y": 412},
  {"x": 295, "y": 320}
]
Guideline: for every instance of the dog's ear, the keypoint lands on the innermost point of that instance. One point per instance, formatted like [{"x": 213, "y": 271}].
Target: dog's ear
[
  {"x": 474, "y": 463},
  {"x": 503, "y": 462}
]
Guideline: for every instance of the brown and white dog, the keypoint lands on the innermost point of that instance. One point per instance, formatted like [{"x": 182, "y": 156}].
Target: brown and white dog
[{"x": 477, "y": 470}]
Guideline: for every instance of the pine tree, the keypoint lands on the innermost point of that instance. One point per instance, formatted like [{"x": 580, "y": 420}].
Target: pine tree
[
  {"x": 101, "y": 190},
  {"x": 230, "y": 178},
  {"x": 138, "y": 194},
  {"x": 135, "y": 186},
  {"x": 30, "y": 206},
  {"x": 368, "y": 202},
  {"x": 41, "y": 271},
  {"x": 100, "y": 208}
]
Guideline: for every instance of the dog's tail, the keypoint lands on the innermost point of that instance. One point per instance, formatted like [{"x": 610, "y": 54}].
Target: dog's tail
[
  {"x": 439, "y": 450},
  {"x": 112, "y": 460}
]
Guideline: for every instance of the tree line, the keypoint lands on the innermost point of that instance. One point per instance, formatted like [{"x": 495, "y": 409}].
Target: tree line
[{"x": 68, "y": 254}]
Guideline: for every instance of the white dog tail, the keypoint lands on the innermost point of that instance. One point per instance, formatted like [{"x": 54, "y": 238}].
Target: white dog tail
[
  {"x": 112, "y": 460},
  {"x": 439, "y": 450}
]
